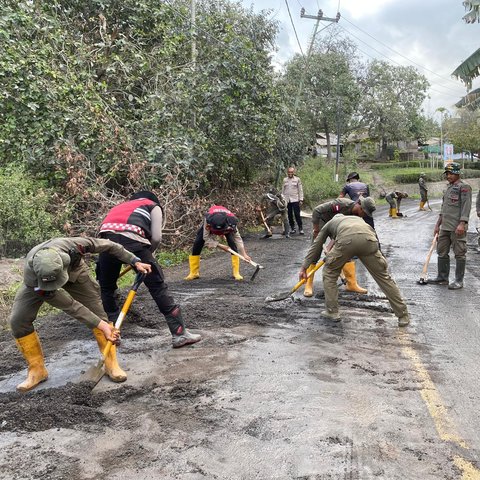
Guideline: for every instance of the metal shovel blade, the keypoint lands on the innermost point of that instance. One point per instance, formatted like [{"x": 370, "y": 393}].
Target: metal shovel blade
[
  {"x": 278, "y": 296},
  {"x": 422, "y": 281},
  {"x": 94, "y": 374},
  {"x": 252, "y": 278}
]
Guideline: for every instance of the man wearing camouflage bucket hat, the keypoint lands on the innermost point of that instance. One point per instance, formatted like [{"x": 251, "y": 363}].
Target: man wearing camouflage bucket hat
[
  {"x": 56, "y": 273},
  {"x": 451, "y": 227},
  {"x": 323, "y": 213}
]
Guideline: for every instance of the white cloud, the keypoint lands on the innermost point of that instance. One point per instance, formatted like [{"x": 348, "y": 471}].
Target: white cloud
[{"x": 428, "y": 34}]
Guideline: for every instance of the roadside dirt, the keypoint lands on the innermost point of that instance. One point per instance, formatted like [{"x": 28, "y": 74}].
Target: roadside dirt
[{"x": 273, "y": 391}]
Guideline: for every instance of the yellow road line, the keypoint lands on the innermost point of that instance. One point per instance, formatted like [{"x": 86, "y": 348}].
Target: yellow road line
[
  {"x": 469, "y": 472},
  {"x": 445, "y": 426}
]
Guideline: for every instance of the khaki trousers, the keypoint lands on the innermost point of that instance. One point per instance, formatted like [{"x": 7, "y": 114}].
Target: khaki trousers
[{"x": 365, "y": 247}]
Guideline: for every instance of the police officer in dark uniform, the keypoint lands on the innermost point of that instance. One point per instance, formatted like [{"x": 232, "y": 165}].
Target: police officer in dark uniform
[{"x": 451, "y": 226}]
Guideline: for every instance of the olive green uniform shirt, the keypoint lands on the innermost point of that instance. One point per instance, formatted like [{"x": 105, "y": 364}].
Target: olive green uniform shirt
[
  {"x": 326, "y": 211},
  {"x": 456, "y": 205},
  {"x": 79, "y": 297},
  {"x": 340, "y": 225}
]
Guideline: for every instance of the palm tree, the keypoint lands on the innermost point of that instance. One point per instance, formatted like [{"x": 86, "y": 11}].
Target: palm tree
[
  {"x": 470, "y": 68},
  {"x": 473, "y": 15}
]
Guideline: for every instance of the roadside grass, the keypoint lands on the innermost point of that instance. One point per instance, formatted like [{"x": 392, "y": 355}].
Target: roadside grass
[{"x": 318, "y": 180}]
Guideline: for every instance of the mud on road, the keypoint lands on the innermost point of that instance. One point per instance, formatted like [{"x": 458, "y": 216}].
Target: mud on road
[{"x": 273, "y": 391}]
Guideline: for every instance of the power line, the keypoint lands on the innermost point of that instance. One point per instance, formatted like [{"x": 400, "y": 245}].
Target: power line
[
  {"x": 398, "y": 53},
  {"x": 294, "y": 29},
  {"x": 429, "y": 88},
  {"x": 391, "y": 59}
]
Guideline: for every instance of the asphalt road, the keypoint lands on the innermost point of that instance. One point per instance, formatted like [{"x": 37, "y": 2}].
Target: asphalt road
[{"x": 273, "y": 391}]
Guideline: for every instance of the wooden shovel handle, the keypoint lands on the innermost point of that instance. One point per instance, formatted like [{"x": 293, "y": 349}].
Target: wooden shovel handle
[
  {"x": 264, "y": 220},
  {"x": 429, "y": 255},
  {"x": 233, "y": 252}
]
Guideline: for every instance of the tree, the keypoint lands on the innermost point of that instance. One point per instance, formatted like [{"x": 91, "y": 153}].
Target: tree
[
  {"x": 463, "y": 130},
  {"x": 331, "y": 93},
  {"x": 473, "y": 14},
  {"x": 106, "y": 92},
  {"x": 391, "y": 101}
]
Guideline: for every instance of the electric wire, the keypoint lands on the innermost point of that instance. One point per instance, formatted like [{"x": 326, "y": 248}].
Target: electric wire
[
  {"x": 294, "y": 29},
  {"x": 390, "y": 59},
  {"x": 398, "y": 53},
  {"x": 429, "y": 88}
]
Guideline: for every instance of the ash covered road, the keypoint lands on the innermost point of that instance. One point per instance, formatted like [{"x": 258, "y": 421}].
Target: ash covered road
[{"x": 273, "y": 391}]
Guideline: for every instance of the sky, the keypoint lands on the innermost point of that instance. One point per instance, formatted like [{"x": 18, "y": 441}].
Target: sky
[{"x": 429, "y": 35}]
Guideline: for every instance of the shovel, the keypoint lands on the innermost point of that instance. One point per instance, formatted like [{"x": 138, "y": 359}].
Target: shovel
[
  {"x": 95, "y": 373},
  {"x": 424, "y": 275},
  {"x": 257, "y": 266},
  {"x": 284, "y": 295},
  {"x": 264, "y": 220}
]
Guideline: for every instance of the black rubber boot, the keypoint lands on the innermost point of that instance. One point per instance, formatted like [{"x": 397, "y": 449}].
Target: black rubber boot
[
  {"x": 443, "y": 272},
  {"x": 459, "y": 274}
]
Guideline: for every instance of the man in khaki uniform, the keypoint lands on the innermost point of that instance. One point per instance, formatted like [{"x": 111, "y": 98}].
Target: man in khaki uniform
[
  {"x": 451, "y": 226},
  {"x": 275, "y": 205},
  {"x": 422, "y": 185},
  {"x": 56, "y": 273},
  {"x": 323, "y": 213},
  {"x": 352, "y": 237},
  {"x": 395, "y": 199}
]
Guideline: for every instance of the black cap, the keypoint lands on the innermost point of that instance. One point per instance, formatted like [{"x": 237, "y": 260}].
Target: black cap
[
  {"x": 145, "y": 194},
  {"x": 353, "y": 175}
]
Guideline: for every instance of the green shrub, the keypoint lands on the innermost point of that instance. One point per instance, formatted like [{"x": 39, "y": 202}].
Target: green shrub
[
  {"x": 26, "y": 216},
  {"x": 421, "y": 164},
  {"x": 317, "y": 180},
  {"x": 412, "y": 177}
]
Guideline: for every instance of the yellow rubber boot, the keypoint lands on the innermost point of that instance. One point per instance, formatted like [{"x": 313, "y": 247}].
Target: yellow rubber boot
[
  {"x": 308, "y": 291},
  {"x": 352, "y": 285},
  {"x": 194, "y": 261},
  {"x": 236, "y": 268},
  {"x": 394, "y": 213},
  {"x": 389, "y": 212},
  {"x": 421, "y": 206},
  {"x": 112, "y": 369},
  {"x": 32, "y": 351}
]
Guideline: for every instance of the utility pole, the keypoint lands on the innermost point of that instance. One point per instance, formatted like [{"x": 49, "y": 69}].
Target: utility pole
[
  {"x": 337, "y": 157},
  {"x": 193, "y": 13},
  {"x": 318, "y": 18}
]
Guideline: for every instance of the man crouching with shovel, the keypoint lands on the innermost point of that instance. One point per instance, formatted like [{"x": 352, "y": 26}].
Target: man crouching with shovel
[
  {"x": 55, "y": 272},
  {"x": 352, "y": 237}
]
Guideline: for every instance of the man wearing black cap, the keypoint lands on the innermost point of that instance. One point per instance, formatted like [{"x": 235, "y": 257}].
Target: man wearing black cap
[
  {"x": 354, "y": 188},
  {"x": 56, "y": 273},
  {"x": 452, "y": 226},
  {"x": 222, "y": 222},
  {"x": 137, "y": 225}
]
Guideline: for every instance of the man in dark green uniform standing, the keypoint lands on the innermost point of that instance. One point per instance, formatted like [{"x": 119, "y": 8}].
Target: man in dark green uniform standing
[{"x": 451, "y": 226}]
